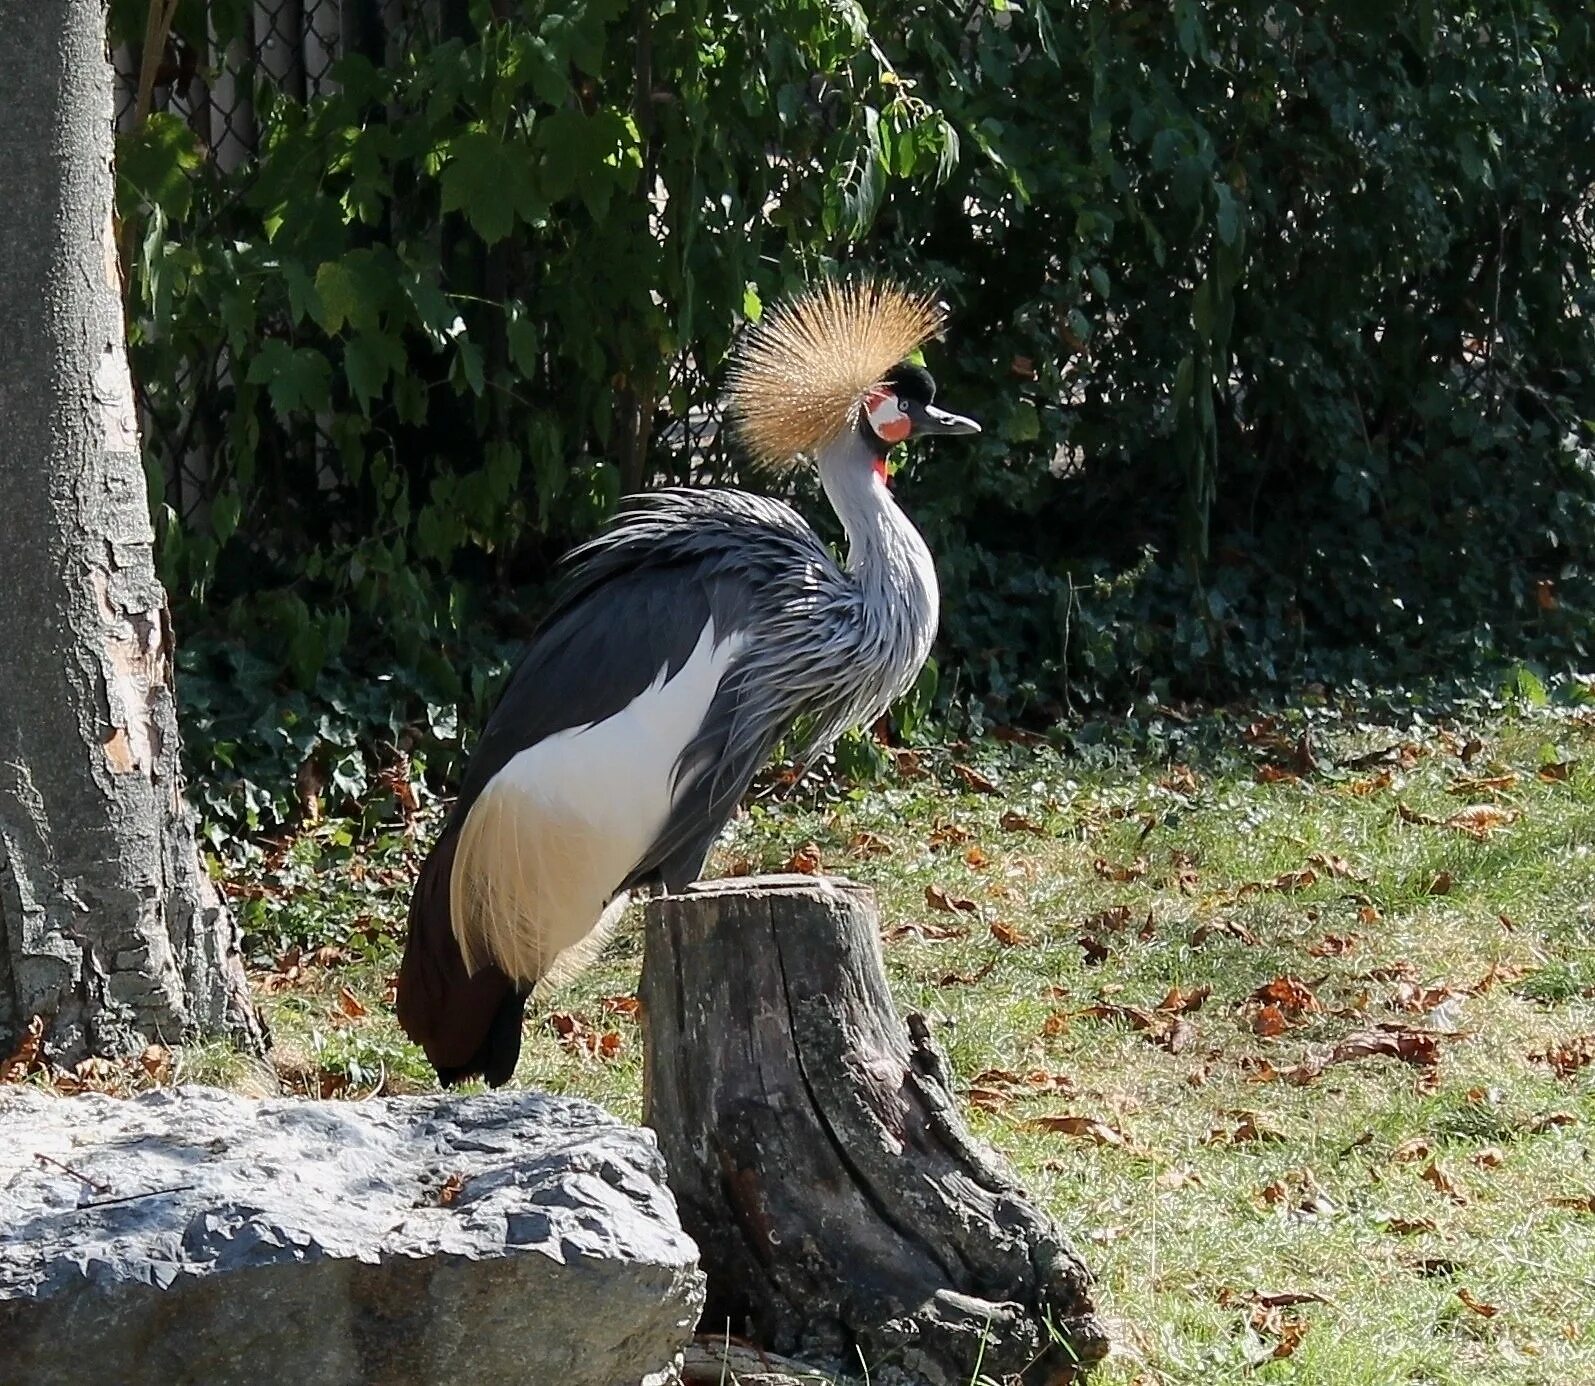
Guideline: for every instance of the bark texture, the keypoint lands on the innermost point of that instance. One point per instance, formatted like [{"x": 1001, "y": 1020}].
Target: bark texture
[
  {"x": 109, "y": 927},
  {"x": 844, "y": 1213}
]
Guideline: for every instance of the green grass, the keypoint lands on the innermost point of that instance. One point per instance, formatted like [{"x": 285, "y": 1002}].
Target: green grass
[{"x": 1184, "y": 1225}]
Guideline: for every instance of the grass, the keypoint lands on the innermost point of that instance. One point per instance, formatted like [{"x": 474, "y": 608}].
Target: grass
[{"x": 1375, "y": 1221}]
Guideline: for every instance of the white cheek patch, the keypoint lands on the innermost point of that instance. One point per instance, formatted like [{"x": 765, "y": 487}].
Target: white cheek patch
[{"x": 886, "y": 416}]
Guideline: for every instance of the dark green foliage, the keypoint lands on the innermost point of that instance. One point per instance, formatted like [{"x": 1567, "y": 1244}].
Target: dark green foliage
[
  {"x": 1279, "y": 318},
  {"x": 1306, "y": 292}
]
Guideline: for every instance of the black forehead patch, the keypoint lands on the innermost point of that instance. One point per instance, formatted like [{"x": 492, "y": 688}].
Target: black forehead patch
[{"x": 912, "y": 382}]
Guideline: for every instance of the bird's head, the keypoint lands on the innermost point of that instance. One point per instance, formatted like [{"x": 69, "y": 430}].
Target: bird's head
[{"x": 834, "y": 359}]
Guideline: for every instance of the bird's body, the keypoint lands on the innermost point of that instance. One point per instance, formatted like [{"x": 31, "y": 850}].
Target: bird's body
[{"x": 694, "y": 633}]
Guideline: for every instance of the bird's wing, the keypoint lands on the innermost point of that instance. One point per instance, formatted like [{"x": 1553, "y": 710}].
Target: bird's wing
[
  {"x": 633, "y": 614},
  {"x": 590, "y": 660},
  {"x": 633, "y": 601},
  {"x": 713, "y": 774}
]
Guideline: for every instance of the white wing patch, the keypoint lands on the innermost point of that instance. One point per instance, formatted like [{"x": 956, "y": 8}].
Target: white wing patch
[{"x": 555, "y": 832}]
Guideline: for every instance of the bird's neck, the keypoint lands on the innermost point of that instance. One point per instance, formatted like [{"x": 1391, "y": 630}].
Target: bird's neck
[{"x": 885, "y": 553}]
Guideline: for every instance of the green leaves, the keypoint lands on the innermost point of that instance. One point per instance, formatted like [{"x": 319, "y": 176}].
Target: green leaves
[
  {"x": 295, "y": 377},
  {"x": 157, "y": 166},
  {"x": 588, "y": 154},
  {"x": 369, "y": 359},
  {"x": 490, "y": 181}
]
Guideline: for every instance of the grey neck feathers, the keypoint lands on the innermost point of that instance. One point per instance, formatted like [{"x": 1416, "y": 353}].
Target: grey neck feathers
[{"x": 886, "y": 556}]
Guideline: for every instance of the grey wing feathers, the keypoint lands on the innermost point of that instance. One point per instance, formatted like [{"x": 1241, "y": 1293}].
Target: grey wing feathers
[
  {"x": 589, "y": 661},
  {"x": 634, "y": 600}
]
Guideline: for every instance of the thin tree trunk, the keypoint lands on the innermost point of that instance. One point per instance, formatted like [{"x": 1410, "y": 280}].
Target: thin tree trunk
[{"x": 109, "y": 928}]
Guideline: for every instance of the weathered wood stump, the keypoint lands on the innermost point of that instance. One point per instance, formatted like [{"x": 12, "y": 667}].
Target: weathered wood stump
[{"x": 845, "y": 1215}]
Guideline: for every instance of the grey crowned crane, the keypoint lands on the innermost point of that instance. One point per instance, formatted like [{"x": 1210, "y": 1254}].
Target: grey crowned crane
[{"x": 689, "y": 637}]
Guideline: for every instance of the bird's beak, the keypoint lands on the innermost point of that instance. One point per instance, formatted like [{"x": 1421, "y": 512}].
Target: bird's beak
[{"x": 933, "y": 420}]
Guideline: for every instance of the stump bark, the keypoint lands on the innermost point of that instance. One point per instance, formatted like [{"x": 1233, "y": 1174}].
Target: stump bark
[{"x": 845, "y": 1215}]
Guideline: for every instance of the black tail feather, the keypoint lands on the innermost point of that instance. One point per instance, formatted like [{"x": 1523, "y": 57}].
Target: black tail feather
[{"x": 468, "y": 1024}]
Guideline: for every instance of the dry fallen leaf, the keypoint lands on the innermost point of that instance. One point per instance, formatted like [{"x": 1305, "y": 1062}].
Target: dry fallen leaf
[
  {"x": 1557, "y": 771},
  {"x": 1095, "y": 950},
  {"x": 1468, "y": 785},
  {"x": 1015, "y": 822},
  {"x": 450, "y": 1190},
  {"x": 938, "y": 899},
  {"x": 1418, "y": 820},
  {"x": 1113, "y": 871},
  {"x": 1007, "y": 935},
  {"x": 1491, "y": 1157},
  {"x": 1390, "y": 1042},
  {"x": 1275, "y": 774},
  {"x": 1362, "y": 788},
  {"x": 944, "y": 833},
  {"x": 966, "y": 979},
  {"x": 1290, "y": 994},
  {"x": 1269, "y": 1021},
  {"x": 625, "y": 1004},
  {"x": 1478, "y": 821},
  {"x": 1292, "y": 881},
  {"x": 1567, "y": 1057},
  {"x": 908, "y": 766},
  {"x": 996, "y": 1088},
  {"x": 1332, "y": 864},
  {"x": 1413, "y": 1149},
  {"x": 1497, "y": 973},
  {"x": 578, "y": 1037},
  {"x": 1411, "y": 996},
  {"x": 1248, "y": 1126},
  {"x": 974, "y": 780},
  {"x": 1408, "y": 1227},
  {"x": 806, "y": 860},
  {"x": 28, "y": 1054},
  {"x": 1109, "y": 920},
  {"x": 1181, "y": 1002},
  {"x": 1181, "y": 779},
  {"x": 1478, "y": 1306},
  {"x": 1334, "y": 945},
  {"x": 156, "y": 1061},
  {"x": 1435, "y": 1174},
  {"x": 976, "y": 859},
  {"x": 1221, "y": 928},
  {"x": 350, "y": 1004},
  {"x": 1584, "y": 1203},
  {"x": 867, "y": 844},
  {"x": 1087, "y": 1128}
]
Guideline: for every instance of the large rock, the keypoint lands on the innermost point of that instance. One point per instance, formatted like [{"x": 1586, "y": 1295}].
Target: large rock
[{"x": 193, "y": 1236}]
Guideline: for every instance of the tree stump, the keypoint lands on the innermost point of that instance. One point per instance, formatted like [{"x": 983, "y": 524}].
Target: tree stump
[{"x": 845, "y": 1215}]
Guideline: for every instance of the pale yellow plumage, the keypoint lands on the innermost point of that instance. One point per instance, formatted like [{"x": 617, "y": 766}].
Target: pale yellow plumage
[{"x": 799, "y": 375}]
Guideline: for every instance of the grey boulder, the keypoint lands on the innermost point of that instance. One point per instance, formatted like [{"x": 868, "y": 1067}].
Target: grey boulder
[{"x": 193, "y": 1236}]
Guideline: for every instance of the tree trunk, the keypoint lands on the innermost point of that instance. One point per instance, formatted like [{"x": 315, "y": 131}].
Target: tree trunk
[
  {"x": 845, "y": 1215},
  {"x": 109, "y": 928}
]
